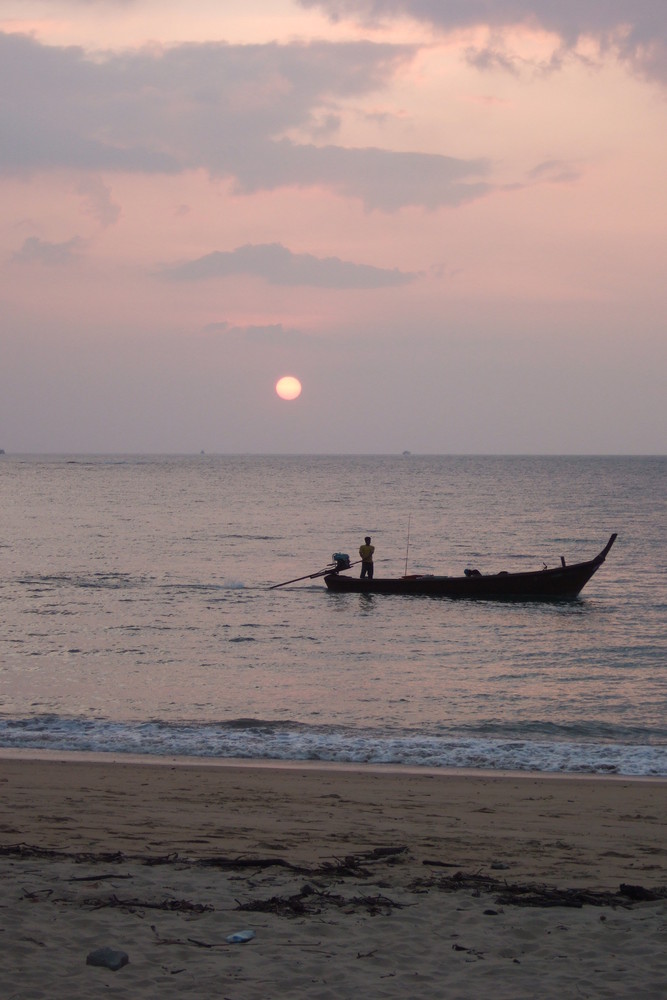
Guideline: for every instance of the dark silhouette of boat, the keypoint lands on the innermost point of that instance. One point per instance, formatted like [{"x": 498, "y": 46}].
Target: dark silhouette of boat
[{"x": 563, "y": 583}]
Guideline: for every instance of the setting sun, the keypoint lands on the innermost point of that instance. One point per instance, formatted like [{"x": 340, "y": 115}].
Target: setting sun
[{"x": 288, "y": 387}]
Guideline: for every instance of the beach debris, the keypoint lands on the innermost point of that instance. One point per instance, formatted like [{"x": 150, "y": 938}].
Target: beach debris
[
  {"x": 36, "y": 895},
  {"x": 640, "y": 894},
  {"x": 519, "y": 894},
  {"x": 98, "y": 878},
  {"x": 384, "y": 852},
  {"x": 312, "y": 901},
  {"x": 470, "y": 951},
  {"x": 353, "y": 865},
  {"x": 350, "y": 865},
  {"x": 240, "y": 937},
  {"x": 241, "y": 863},
  {"x": 197, "y": 942},
  {"x": 170, "y": 905},
  {"x": 108, "y": 958},
  {"x": 545, "y": 896},
  {"x": 373, "y": 904},
  {"x": 31, "y": 851},
  {"x": 152, "y": 861}
]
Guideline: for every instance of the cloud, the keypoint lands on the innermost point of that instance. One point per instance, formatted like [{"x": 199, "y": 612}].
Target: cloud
[
  {"x": 98, "y": 200},
  {"x": 279, "y": 266},
  {"x": 382, "y": 179},
  {"x": 188, "y": 105},
  {"x": 34, "y": 249},
  {"x": 554, "y": 172},
  {"x": 224, "y": 108},
  {"x": 490, "y": 59},
  {"x": 61, "y": 109},
  {"x": 635, "y": 29}
]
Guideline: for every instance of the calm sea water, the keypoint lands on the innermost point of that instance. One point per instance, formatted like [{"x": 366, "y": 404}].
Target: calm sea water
[{"x": 137, "y": 614}]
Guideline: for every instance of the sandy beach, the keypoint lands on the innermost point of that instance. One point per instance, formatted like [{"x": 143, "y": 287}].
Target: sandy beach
[{"x": 356, "y": 882}]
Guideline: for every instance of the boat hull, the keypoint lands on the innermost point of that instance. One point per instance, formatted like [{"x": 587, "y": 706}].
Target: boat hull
[{"x": 563, "y": 583}]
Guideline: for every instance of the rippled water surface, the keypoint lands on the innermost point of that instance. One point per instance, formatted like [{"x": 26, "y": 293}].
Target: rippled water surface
[{"x": 138, "y": 614}]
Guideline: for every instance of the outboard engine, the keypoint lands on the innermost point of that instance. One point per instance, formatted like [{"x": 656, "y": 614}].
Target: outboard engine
[{"x": 342, "y": 561}]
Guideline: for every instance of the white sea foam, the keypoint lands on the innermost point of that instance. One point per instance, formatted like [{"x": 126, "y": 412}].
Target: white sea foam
[{"x": 268, "y": 741}]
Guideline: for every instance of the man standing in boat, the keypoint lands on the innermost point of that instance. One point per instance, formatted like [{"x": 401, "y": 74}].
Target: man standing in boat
[{"x": 366, "y": 552}]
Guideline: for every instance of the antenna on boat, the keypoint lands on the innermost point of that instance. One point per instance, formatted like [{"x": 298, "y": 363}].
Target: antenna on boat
[{"x": 407, "y": 546}]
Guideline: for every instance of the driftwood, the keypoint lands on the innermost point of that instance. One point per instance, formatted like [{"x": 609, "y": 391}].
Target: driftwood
[
  {"x": 98, "y": 878},
  {"x": 184, "y": 941},
  {"x": 169, "y": 905},
  {"x": 28, "y": 851},
  {"x": 310, "y": 900},
  {"x": 626, "y": 895},
  {"x": 245, "y": 864},
  {"x": 351, "y": 863},
  {"x": 351, "y": 866},
  {"x": 639, "y": 893},
  {"x": 519, "y": 894},
  {"x": 354, "y": 865}
]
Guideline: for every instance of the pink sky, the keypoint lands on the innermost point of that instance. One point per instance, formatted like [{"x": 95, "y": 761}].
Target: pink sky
[{"x": 449, "y": 224}]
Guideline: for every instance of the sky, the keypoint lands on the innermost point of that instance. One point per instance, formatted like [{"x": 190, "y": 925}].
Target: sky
[{"x": 446, "y": 218}]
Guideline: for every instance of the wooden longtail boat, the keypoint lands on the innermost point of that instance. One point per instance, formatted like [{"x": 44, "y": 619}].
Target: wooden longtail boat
[{"x": 562, "y": 583}]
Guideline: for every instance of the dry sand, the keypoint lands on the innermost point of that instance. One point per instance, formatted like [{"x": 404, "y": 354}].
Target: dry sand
[{"x": 365, "y": 883}]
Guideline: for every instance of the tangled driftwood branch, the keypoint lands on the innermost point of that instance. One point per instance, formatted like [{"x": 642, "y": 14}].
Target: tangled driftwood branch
[
  {"x": 310, "y": 900},
  {"x": 521, "y": 894}
]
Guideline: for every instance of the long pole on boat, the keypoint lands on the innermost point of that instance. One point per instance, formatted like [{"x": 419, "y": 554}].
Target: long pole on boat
[
  {"x": 407, "y": 546},
  {"x": 311, "y": 576},
  {"x": 308, "y": 576}
]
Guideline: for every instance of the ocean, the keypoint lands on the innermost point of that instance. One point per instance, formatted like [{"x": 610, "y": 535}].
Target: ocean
[{"x": 138, "y": 615}]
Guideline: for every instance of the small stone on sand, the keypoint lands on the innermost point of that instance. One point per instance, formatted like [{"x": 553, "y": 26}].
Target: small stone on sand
[{"x": 108, "y": 958}]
